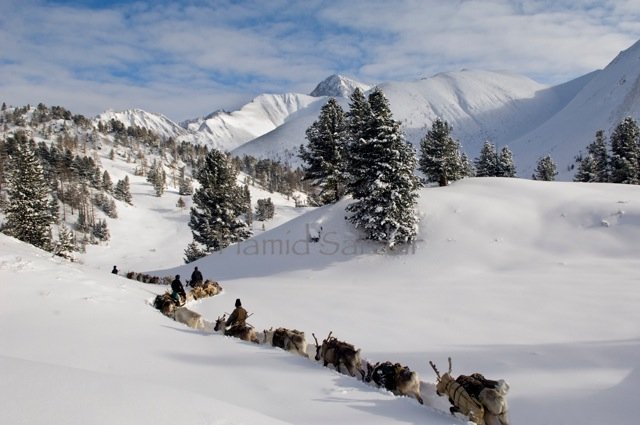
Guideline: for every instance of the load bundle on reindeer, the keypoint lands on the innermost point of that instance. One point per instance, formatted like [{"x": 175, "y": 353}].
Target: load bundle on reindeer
[
  {"x": 291, "y": 340},
  {"x": 339, "y": 353},
  {"x": 394, "y": 377},
  {"x": 244, "y": 332},
  {"x": 166, "y": 304},
  {"x": 482, "y": 400},
  {"x": 207, "y": 289}
]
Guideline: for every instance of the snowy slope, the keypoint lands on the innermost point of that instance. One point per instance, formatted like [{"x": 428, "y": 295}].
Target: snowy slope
[
  {"x": 533, "y": 282},
  {"x": 480, "y": 105},
  {"x": 283, "y": 142},
  {"x": 610, "y": 96}
]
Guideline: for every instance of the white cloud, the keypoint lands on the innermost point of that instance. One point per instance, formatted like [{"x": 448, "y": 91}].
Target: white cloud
[{"x": 158, "y": 54}]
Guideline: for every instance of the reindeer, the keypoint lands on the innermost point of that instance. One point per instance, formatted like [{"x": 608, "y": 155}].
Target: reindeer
[
  {"x": 338, "y": 352},
  {"x": 244, "y": 332},
  {"x": 165, "y": 303},
  {"x": 490, "y": 393},
  {"x": 398, "y": 379},
  {"x": 288, "y": 339},
  {"x": 459, "y": 398},
  {"x": 189, "y": 318}
]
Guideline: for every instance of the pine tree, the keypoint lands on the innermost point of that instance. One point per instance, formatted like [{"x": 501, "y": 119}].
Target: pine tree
[
  {"x": 587, "y": 170},
  {"x": 359, "y": 120},
  {"x": 440, "y": 158},
  {"x": 101, "y": 231},
  {"x": 28, "y": 215},
  {"x": 324, "y": 154},
  {"x": 487, "y": 162},
  {"x": 65, "y": 245},
  {"x": 598, "y": 150},
  {"x": 107, "y": 184},
  {"x": 545, "y": 169},
  {"x": 265, "y": 209},
  {"x": 122, "y": 190},
  {"x": 466, "y": 166},
  {"x": 506, "y": 167},
  {"x": 193, "y": 252},
  {"x": 385, "y": 199},
  {"x": 217, "y": 205},
  {"x": 248, "y": 210},
  {"x": 184, "y": 184},
  {"x": 625, "y": 152}
]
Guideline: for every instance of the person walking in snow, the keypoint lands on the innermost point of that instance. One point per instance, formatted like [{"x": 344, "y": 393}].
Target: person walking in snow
[
  {"x": 238, "y": 316},
  {"x": 115, "y": 270},
  {"x": 196, "y": 278},
  {"x": 177, "y": 290}
]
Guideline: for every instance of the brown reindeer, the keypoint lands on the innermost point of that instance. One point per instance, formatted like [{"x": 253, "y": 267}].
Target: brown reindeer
[
  {"x": 244, "y": 332},
  {"x": 338, "y": 352},
  {"x": 491, "y": 394},
  {"x": 165, "y": 303},
  {"x": 291, "y": 340},
  {"x": 396, "y": 378},
  {"x": 459, "y": 398}
]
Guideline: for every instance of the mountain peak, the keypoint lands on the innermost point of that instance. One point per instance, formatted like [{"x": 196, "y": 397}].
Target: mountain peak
[{"x": 338, "y": 86}]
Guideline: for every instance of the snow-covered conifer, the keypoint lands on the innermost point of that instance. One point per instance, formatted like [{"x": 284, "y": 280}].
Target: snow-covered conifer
[
  {"x": 359, "y": 125},
  {"x": 506, "y": 166},
  {"x": 65, "y": 245},
  {"x": 385, "y": 199},
  {"x": 217, "y": 205},
  {"x": 28, "y": 215},
  {"x": 625, "y": 152},
  {"x": 598, "y": 150},
  {"x": 324, "y": 154},
  {"x": 193, "y": 252},
  {"x": 545, "y": 169},
  {"x": 586, "y": 170},
  {"x": 440, "y": 159},
  {"x": 487, "y": 162},
  {"x": 122, "y": 190},
  {"x": 107, "y": 184}
]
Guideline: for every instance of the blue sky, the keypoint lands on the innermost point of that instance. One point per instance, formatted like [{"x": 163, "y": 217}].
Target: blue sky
[{"x": 187, "y": 58}]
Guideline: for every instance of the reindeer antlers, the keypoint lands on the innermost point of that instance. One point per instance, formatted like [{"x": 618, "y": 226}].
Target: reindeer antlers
[{"x": 435, "y": 369}]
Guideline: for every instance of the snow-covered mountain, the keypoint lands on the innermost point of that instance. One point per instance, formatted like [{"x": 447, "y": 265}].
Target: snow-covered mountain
[
  {"x": 221, "y": 130},
  {"x": 263, "y": 114},
  {"x": 531, "y": 118},
  {"x": 606, "y": 99},
  {"x": 157, "y": 123},
  {"x": 338, "y": 86}
]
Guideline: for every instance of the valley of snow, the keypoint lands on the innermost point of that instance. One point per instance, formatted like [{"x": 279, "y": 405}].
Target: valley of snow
[{"x": 533, "y": 282}]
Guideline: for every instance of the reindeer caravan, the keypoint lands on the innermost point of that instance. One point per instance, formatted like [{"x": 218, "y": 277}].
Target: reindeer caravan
[{"x": 482, "y": 400}]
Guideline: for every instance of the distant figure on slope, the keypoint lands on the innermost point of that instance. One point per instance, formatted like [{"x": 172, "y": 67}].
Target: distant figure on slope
[
  {"x": 196, "y": 278},
  {"x": 178, "y": 290},
  {"x": 115, "y": 270},
  {"x": 238, "y": 316}
]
